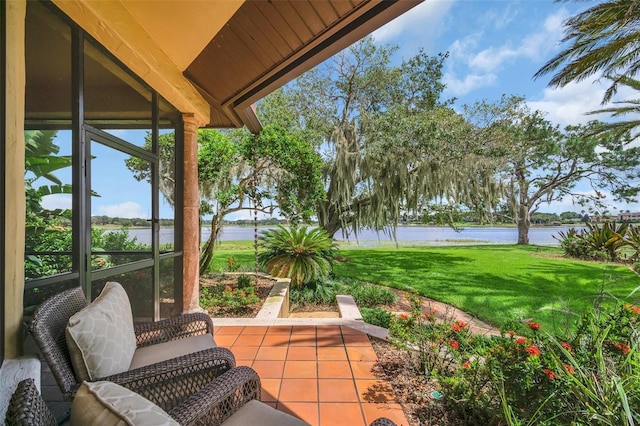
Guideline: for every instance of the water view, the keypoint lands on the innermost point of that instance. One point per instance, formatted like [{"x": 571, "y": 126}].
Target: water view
[{"x": 407, "y": 235}]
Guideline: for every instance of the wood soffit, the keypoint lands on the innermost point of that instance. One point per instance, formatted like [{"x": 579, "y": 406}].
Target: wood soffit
[
  {"x": 266, "y": 44},
  {"x": 235, "y": 53}
]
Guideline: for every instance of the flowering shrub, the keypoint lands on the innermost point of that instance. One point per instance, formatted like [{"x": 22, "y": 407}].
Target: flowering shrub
[
  {"x": 227, "y": 300},
  {"x": 590, "y": 377}
]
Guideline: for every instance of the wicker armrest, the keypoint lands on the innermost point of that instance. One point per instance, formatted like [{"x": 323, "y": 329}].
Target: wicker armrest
[
  {"x": 178, "y": 327},
  {"x": 218, "y": 400},
  {"x": 382, "y": 421},
  {"x": 27, "y": 408},
  {"x": 168, "y": 383}
]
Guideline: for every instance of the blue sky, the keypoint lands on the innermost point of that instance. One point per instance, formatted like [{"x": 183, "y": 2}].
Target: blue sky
[{"x": 495, "y": 47}]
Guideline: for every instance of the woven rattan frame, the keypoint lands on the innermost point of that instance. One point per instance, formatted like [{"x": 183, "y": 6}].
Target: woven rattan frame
[
  {"x": 382, "y": 421},
  {"x": 48, "y": 330},
  {"x": 27, "y": 408},
  {"x": 217, "y": 401}
]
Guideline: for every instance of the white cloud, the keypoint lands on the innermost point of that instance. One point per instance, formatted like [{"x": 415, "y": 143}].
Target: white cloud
[
  {"x": 568, "y": 204},
  {"x": 128, "y": 209},
  {"x": 459, "y": 87},
  {"x": 568, "y": 105},
  {"x": 533, "y": 46},
  {"x": 424, "y": 21},
  {"x": 500, "y": 17},
  {"x": 57, "y": 201},
  {"x": 461, "y": 50}
]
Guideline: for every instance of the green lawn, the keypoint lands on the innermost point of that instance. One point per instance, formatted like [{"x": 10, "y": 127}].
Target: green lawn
[{"x": 495, "y": 283}]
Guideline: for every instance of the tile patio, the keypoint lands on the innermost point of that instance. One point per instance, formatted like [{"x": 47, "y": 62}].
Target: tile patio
[{"x": 323, "y": 374}]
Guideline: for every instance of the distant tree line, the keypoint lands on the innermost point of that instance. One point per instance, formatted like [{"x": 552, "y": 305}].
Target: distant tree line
[{"x": 138, "y": 222}]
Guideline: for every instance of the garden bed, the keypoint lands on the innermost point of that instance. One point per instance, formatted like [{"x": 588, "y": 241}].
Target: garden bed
[
  {"x": 233, "y": 304},
  {"x": 227, "y": 300},
  {"x": 413, "y": 391}
]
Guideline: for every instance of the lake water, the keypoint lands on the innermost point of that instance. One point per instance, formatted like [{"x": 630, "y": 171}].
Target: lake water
[{"x": 407, "y": 235}]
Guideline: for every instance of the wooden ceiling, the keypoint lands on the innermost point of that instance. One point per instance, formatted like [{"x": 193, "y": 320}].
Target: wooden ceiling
[
  {"x": 266, "y": 44},
  {"x": 216, "y": 59}
]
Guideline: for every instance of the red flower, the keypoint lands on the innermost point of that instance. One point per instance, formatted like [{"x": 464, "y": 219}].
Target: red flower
[
  {"x": 521, "y": 340},
  {"x": 633, "y": 308},
  {"x": 227, "y": 288},
  {"x": 404, "y": 316},
  {"x": 567, "y": 346},
  {"x": 511, "y": 333},
  {"x": 533, "y": 325},
  {"x": 569, "y": 369},
  {"x": 454, "y": 344},
  {"x": 466, "y": 364},
  {"x": 622, "y": 347},
  {"x": 425, "y": 315},
  {"x": 458, "y": 326},
  {"x": 533, "y": 351},
  {"x": 550, "y": 374}
]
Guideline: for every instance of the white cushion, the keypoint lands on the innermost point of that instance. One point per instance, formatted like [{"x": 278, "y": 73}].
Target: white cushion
[
  {"x": 100, "y": 337},
  {"x": 148, "y": 355},
  {"x": 257, "y": 413},
  {"x": 109, "y": 404}
]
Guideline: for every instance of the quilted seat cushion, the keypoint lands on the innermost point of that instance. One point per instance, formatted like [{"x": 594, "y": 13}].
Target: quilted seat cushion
[
  {"x": 100, "y": 337},
  {"x": 109, "y": 404},
  {"x": 258, "y": 413},
  {"x": 159, "y": 352}
]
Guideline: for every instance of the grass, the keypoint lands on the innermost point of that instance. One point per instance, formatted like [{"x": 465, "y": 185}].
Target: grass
[{"x": 497, "y": 283}]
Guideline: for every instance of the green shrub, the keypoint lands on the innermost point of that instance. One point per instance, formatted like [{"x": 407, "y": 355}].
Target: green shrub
[
  {"x": 376, "y": 316},
  {"x": 233, "y": 265},
  {"x": 302, "y": 254},
  {"x": 244, "y": 281},
  {"x": 573, "y": 245},
  {"x": 591, "y": 377},
  {"x": 367, "y": 295},
  {"x": 216, "y": 300},
  {"x": 319, "y": 293}
]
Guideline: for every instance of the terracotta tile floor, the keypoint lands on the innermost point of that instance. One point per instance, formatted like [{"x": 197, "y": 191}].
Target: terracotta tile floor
[{"x": 321, "y": 374}]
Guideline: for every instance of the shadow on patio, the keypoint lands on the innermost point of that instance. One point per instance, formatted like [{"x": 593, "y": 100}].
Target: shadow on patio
[{"x": 324, "y": 374}]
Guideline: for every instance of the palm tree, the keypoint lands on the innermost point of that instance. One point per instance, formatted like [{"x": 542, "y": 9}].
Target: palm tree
[
  {"x": 619, "y": 129},
  {"x": 298, "y": 253},
  {"x": 604, "y": 38}
]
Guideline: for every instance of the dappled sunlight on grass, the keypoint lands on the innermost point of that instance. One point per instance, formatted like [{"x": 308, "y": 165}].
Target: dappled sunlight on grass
[{"x": 495, "y": 283}]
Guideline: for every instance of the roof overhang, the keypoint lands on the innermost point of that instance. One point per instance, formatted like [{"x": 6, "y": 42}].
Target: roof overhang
[{"x": 215, "y": 59}]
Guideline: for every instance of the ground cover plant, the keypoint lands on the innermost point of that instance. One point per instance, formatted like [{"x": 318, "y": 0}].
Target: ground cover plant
[{"x": 591, "y": 376}]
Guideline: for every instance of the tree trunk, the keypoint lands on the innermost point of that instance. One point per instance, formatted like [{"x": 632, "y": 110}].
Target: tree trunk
[
  {"x": 207, "y": 251},
  {"x": 524, "y": 223}
]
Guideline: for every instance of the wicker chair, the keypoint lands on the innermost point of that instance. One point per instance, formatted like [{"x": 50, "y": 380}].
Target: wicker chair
[
  {"x": 214, "y": 404},
  {"x": 27, "y": 408},
  {"x": 48, "y": 330},
  {"x": 211, "y": 405}
]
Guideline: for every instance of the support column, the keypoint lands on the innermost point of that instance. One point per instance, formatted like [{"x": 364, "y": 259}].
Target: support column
[
  {"x": 13, "y": 169},
  {"x": 191, "y": 228}
]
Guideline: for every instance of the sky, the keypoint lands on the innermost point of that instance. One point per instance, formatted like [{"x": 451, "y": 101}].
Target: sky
[{"x": 495, "y": 47}]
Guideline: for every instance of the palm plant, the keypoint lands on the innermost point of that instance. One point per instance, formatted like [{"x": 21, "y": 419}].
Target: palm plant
[
  {"x": 604, "y": 38},
  {"x": 632, "y": 239},
  {"x": 302, "y": 254},
  {"x": 607, "y": 237},
  {"x": 630, "y": 107}
]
